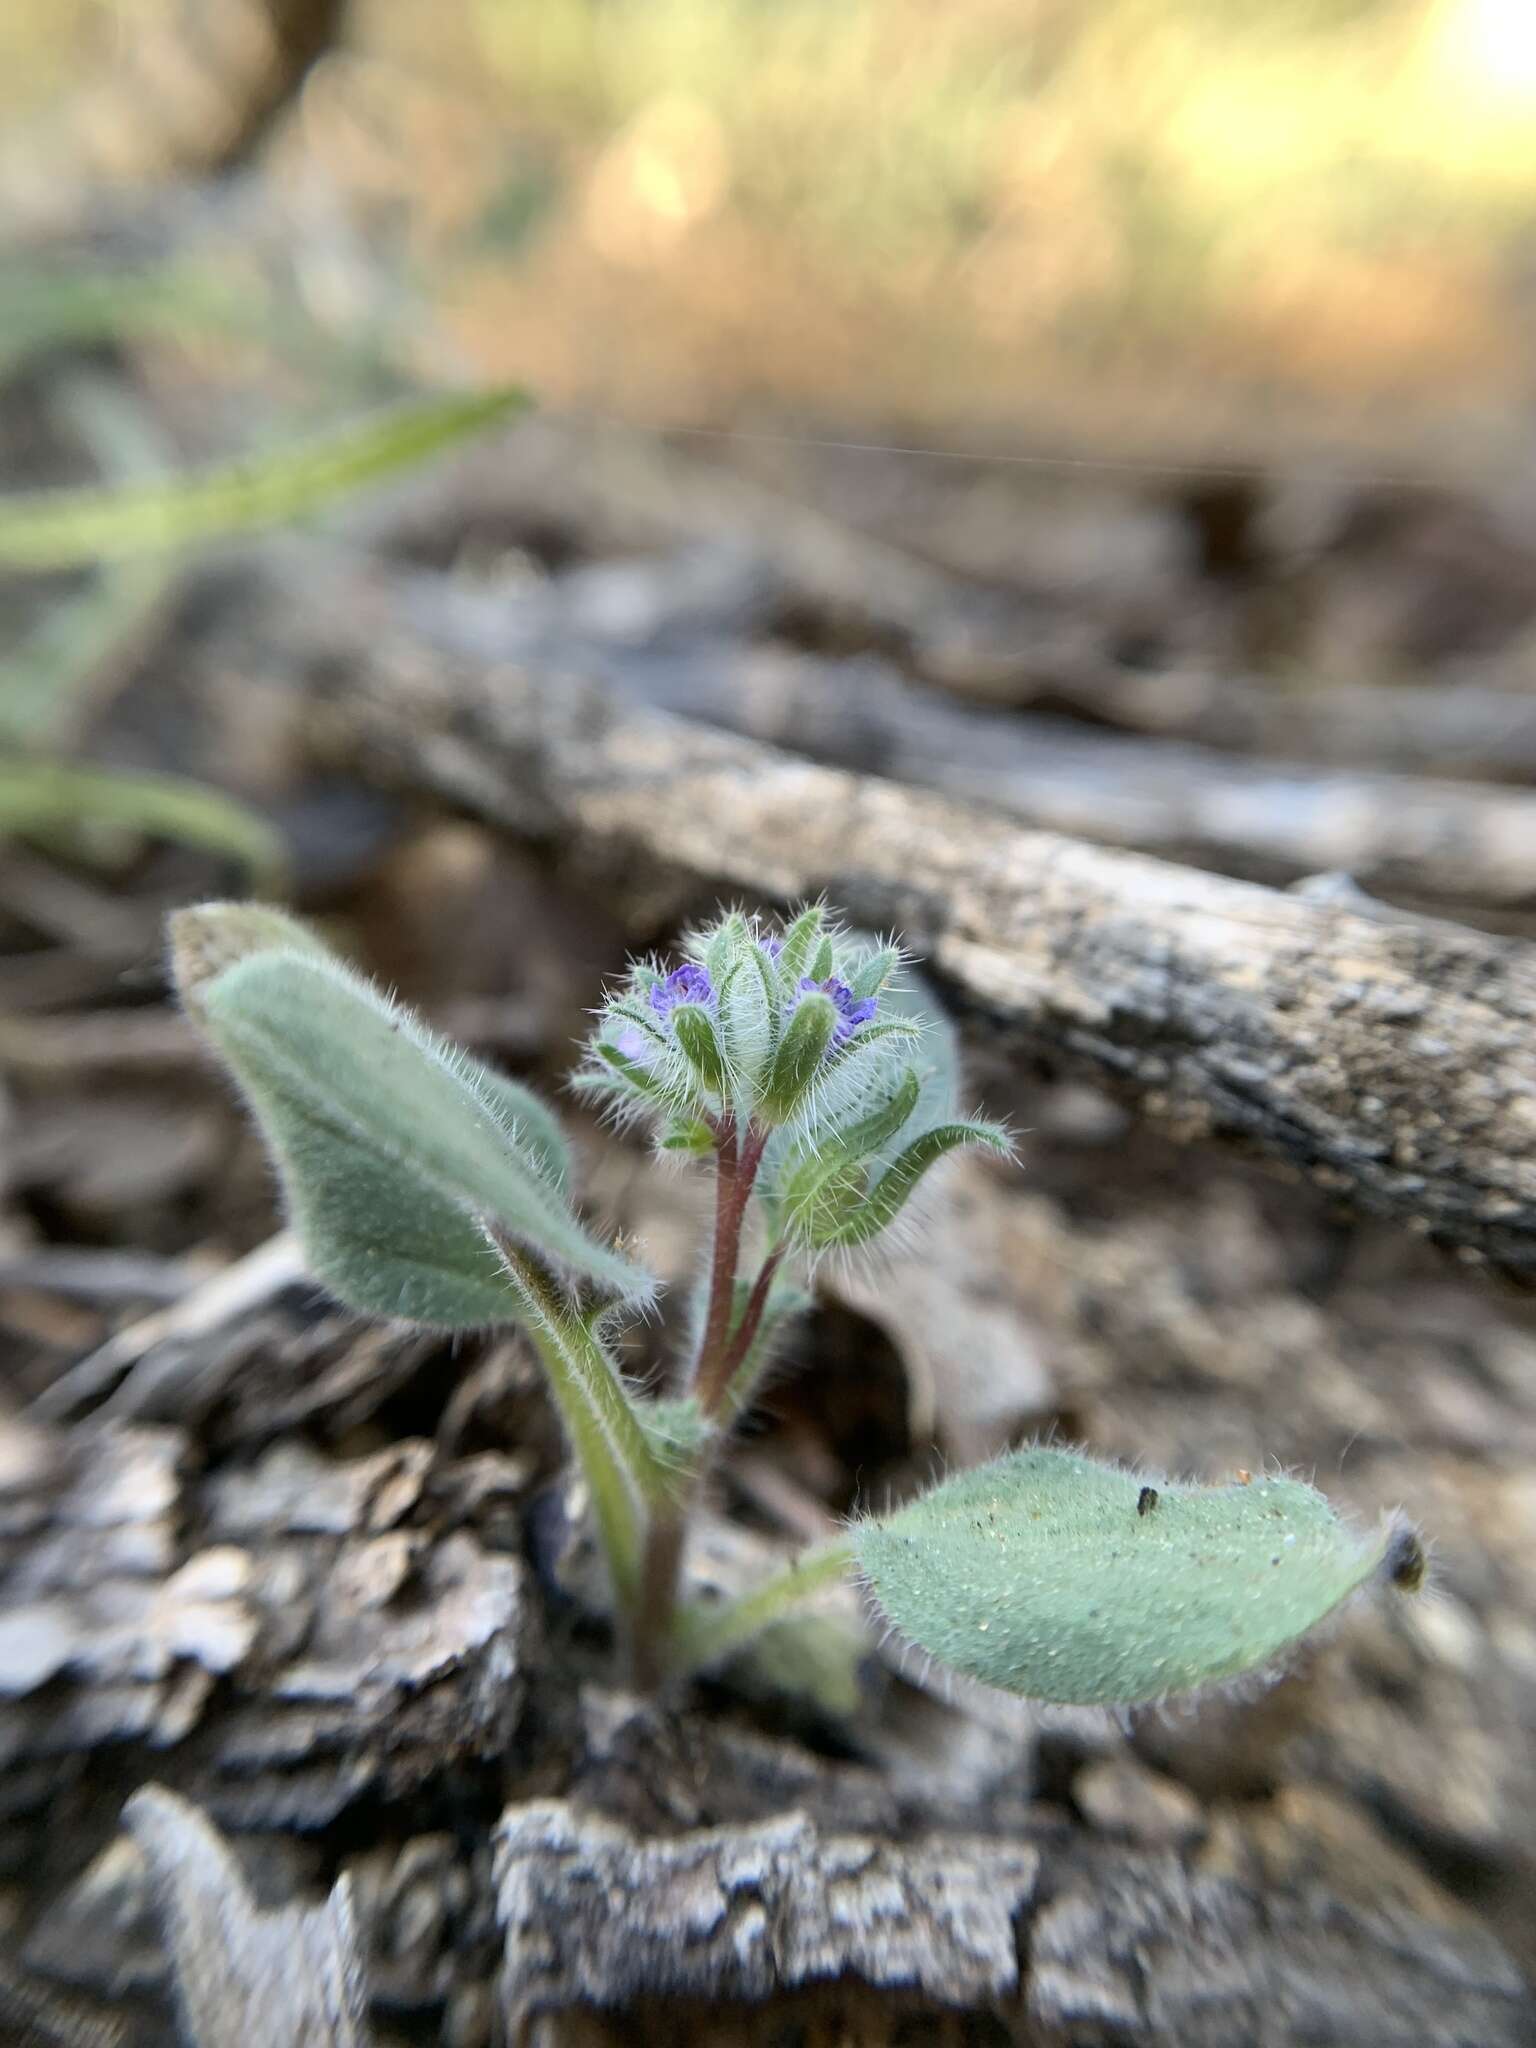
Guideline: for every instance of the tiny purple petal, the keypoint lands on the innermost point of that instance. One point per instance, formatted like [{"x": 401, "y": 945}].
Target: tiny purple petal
[
  {"x": 851, "y": 1011},
  {"x": 686, "y": 984},
  {"x": 772, "y": 946},
  {"x": 634, "y": 1045}
]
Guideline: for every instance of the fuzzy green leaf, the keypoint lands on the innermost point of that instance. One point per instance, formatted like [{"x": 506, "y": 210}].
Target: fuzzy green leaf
[
  {"x": 392, "y": 1147},
  {"x": 687, "y": 1134},
  {"x": 872, "y": 976},
  {"x": 207, "y": 938},
  {"x": 856, "y": 1222},
  {"x": 749, "y": 1015},
  {"x": 844, "y": 1143},
  {"x": 727, "y": 945},
  {"x": 694, "y": 1030},
  {"x": 1053, "y": 1576},
  {"x": 801, "y": 939},
  {"x": 535, "y": 1124},
  {"x": 798, "y": 1062},
  {"x": 636, "y": 1082}
]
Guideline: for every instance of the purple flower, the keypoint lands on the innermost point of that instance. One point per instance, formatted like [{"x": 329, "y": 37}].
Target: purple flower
[
  {"x": 771, "y": 945},
  {"x": 686, "y": 984},
  {"x": 852, "y": 1011},
  {"x": 633, "y": 1045}
]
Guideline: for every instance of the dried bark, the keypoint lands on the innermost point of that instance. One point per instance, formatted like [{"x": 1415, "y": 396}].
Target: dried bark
[
  {"x": 291, "y": 1978},
  {"x": 1439, "y": 843},
  {"x": 817, "y": 1875},
  {"x": 1390, "y": 1062},
  {"x": 1120, "y": 1947},
  {"x": 745, "y": 1912},
  {"x": 357, "y": 1651}
]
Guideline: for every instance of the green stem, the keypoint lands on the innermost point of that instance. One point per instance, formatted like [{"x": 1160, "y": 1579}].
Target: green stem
[
  {"x": 595, "y": 1370},
  {"x": 656, "y": 1599},
  {"x": 613, "y": 1505},
  {"x": 616, "y": 1459},
  {"x": 705, "y": 1635}
]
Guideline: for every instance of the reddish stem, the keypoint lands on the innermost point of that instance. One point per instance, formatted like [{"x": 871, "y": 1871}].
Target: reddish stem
[
  {"x": 734, "y": 1177},
  {"x": 735, "y": 1170},
  {"x": 744, "y": 1335}
]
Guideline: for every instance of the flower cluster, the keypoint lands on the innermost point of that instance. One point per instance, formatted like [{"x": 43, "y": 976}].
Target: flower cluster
[
  {"x": 798, "y": 1043},
  {"x": 752, "y": 1028}
]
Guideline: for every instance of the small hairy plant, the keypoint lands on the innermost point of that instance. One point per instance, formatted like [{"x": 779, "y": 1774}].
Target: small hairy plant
[{"x": 427, "y": 1187}]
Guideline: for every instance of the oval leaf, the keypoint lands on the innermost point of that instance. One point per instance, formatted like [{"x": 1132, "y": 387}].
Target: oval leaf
[
  {"x": 391, "y": 1145},
  {"x": 1053, "y": 1576}
]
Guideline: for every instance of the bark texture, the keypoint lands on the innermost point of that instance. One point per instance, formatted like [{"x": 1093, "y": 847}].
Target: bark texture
[{"x": 290, "y": 1978}]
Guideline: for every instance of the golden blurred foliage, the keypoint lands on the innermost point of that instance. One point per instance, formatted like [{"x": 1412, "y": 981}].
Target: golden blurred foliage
[{"x": 1149, "y": 218}]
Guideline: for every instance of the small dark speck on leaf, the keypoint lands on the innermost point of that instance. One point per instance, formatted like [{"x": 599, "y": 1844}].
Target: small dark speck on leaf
[
  {"x": 1406, "y": 1561},
  {"x": 1146, "y": 1500}
]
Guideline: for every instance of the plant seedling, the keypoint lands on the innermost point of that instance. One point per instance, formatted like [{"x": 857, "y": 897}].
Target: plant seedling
[{"x": 820, "y": 1093}]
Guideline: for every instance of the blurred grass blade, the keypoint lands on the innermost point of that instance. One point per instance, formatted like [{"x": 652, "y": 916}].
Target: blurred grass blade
[
  {"x": 47, "y": 307},
  {"x": 45, "y": 684},
  {"x": 51, "y": 798},
  {"x": 67, "y": 528},
  {"x": 51, "y": 680}
]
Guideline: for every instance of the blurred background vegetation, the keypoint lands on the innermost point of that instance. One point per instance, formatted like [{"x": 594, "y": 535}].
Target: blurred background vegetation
[{"x": 1144, "y": 226}]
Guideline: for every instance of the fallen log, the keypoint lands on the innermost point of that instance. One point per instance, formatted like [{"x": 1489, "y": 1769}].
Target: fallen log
[
  {"x": 1435, "y": 842},
  {"x": 1390, "y": 1062}
]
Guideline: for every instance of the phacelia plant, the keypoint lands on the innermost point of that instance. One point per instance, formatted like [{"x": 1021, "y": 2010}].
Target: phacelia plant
[{"x": 428, "y": 1188}]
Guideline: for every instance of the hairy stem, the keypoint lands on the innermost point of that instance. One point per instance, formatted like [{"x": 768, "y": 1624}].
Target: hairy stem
[
  {"x": 656, "y": 1604},
  {"x": 733, "y": 1393},
  {"x": 703, "y": 1636},
  {"x": 651, "y": 1643},
  {"x": 730, "y": 1212},
  {"x": 735, "y": 1174}
]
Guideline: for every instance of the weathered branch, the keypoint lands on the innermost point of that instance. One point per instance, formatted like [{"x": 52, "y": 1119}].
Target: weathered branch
[
  {"x": 677, "y": 635},
  {"x": 1137, "y": 1948},
  {"x": 291, "y": 1978},
  {"x": 1438, "y": 842},
  {"x": 743, "y": 1912},
  {"x": 1391, "y": 1062}
]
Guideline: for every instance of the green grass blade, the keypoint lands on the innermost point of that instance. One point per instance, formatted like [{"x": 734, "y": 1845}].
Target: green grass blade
[
  {"x": 66, "y": 528},
  {"x": 47, "y": 684},
  {"x": 52, "y": 798}
]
